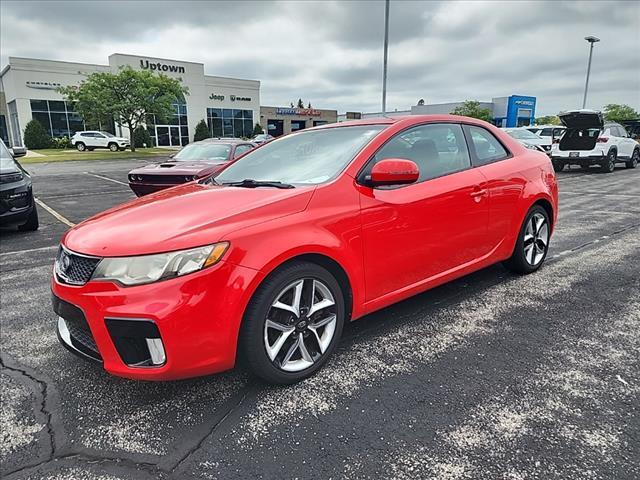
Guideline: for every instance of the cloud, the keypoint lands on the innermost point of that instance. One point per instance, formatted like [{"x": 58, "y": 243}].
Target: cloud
[{"x": 330, "y": 53}]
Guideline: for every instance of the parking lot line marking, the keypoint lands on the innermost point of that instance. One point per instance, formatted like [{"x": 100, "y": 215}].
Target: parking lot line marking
[
  {"x": 107, "y": 178},
  {"x": 29, "y": 250},
  {"x": 54, "y": 213},
  {"x": 599, "y": 194}
]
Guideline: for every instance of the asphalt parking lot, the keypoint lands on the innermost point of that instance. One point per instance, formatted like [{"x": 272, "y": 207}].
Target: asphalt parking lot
[{"x": 492, "y": 376}]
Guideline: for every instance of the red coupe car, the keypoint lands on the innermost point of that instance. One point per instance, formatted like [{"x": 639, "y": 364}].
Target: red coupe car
[
  {"x": 269, "y": 259},
  {"x": 196, "y": 160}
]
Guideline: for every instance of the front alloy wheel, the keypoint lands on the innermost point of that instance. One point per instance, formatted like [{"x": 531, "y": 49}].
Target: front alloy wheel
[
  {"x": 113, "y": 147},
  {"x": 292, "y": 323},
  {"x": 300, "y": 325}
]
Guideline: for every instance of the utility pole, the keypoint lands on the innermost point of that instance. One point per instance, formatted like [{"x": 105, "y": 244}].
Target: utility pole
[
  {"x": 386, "y": 50},
  {"x": 591, "y": 39}
]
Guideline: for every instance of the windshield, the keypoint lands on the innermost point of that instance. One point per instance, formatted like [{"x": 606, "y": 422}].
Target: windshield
[
  {"x": 309, "y": 157},
  {"x": 210, "y": 152},
  {"x": 7, "y": 164},
  {"x": 523, "y": 134}
]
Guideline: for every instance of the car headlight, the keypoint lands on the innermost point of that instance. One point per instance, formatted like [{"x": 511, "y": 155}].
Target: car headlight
[
  {"x": 162, "y": 266},
  {"x": 530, "y": 147}
]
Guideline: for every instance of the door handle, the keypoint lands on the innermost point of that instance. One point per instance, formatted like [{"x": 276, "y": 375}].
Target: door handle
[{"x": 478, "y": 193}]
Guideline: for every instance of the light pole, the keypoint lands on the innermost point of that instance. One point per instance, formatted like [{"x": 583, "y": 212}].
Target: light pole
[
  {"x": 591, "y": 39},
  {"x": 386, "y": 49}
]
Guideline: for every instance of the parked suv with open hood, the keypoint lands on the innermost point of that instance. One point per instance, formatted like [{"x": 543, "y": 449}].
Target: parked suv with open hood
[{"x": 589, "y": 141}]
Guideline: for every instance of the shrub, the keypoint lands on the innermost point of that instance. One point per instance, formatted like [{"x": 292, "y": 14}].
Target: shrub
[
  {"x": 62, "y": 143},
  {"x": 202, "y": 131},
  {"x": 35, "y": 136},
  {"x": 142, "y": 137},
  {"x": 257, "y": 129}
]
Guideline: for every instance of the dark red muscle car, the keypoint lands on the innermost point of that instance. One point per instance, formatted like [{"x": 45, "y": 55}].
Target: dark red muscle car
[{"x": 194, "y": 161}]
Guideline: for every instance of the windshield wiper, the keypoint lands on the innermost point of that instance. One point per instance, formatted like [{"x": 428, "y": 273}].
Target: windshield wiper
[{"x": 250, "y": 183}]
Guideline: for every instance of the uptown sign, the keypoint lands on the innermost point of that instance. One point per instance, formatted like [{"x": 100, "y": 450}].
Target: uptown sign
[{"x": 162, "y": 67}]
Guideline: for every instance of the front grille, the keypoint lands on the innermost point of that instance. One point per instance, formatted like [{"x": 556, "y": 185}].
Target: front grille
[
  {"x": 75, "y": 269},
  {"x": 74, "y": 319},
  {"x": 165, "y": 179}
]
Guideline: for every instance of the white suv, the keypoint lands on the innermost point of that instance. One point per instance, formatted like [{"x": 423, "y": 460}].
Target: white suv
[
  {"x": 589, "y": 141},
  {"x": 90, "y": 139}
]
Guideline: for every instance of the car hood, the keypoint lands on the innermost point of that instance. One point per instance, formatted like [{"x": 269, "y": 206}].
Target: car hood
[
  {"x": 182, "y": 217},
  {"x": 178, "y": 168},
  {"x": 535, "y": 141},
  {"x": 582, "y": 119}
]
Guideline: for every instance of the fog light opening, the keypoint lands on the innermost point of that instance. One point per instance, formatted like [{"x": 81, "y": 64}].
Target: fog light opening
[{"x": 156, "y": 350}]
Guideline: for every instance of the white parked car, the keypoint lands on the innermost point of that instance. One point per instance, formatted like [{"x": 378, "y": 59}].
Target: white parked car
[
  {"x": 550, "y": 131},
  {"x": 530, "y": 140},
  {"x": 589, "y": 141},
  {"x": 262, "y": 138},
  {"x": 90, "y": 139}
]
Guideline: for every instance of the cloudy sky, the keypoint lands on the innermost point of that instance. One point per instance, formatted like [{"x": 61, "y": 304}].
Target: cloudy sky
[{"x": 331, "y": 52}]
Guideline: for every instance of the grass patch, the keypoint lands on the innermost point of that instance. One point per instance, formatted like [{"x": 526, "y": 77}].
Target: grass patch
[{"x": 57, "y": 155}]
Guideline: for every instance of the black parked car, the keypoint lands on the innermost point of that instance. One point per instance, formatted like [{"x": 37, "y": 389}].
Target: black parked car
[{"x": 17, "y": 206}]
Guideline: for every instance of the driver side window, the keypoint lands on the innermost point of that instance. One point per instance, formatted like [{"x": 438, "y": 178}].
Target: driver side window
[{"x": 437, "y": 150}]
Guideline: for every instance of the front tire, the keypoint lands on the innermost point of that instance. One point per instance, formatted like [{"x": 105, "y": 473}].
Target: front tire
[
  {"x": 292, "y": 324},
  {"x": 32, "y": 224},
  {"x": 635, "y": 158},
  {"x": 113, "y": 147},
  {"x": 533, "y": 242},
  {"x": 609, "y": 164}
]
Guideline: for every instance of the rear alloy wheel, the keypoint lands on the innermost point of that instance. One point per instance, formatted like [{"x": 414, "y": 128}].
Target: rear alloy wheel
[
  {"x": 533, "y": 242},
  {"x": 80, "y": 146},
  {"x": 113, "y": 147},
  {"x": 558, "y": 166},
  {"x": 635, "y": 158},
  {"x": 293, "y": 323},
  {"x": 609, "y": 164}
]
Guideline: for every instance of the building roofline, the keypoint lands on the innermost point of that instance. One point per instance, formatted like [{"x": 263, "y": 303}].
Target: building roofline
[
  {"x": 56, "y": 61},
  {"x": 155, "y": 58}
]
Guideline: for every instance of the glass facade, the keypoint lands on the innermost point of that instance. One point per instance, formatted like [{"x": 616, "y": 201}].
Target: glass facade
[
  {"x": 173, "y": 131},
  {"x": 60, "y": 119},
  {"x": 227, "y": 122}
]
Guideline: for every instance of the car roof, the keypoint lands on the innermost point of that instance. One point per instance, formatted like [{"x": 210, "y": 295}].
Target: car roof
[
  {"x": 408, "y": 119},
  {"x": 546, "y": 126},
  {"x": 220, "y": 140}
]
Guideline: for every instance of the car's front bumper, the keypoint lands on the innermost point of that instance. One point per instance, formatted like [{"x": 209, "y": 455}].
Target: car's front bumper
[
  {"x": 141, "y": 189},
  {"x": 196, "y": 318}
]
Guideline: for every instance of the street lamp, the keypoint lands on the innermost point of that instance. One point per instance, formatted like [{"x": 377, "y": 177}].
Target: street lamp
[
  {"x": 591, "y": 39},
  {"x": 386, "y": 49}
]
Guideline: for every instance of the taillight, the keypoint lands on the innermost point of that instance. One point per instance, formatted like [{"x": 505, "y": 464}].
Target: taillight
[{"x": 603, "y": 139}]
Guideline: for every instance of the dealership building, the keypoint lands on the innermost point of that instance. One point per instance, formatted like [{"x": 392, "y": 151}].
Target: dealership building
[
  {"x": 28, "y": 90},
  {"x": 282, "y": 120},
  {"x": 511, "y": 111}
]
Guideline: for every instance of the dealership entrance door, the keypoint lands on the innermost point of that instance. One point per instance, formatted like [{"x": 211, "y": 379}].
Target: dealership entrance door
[
  {"x": 275, "y": 128},
  {"x": 168, "y": 136}
]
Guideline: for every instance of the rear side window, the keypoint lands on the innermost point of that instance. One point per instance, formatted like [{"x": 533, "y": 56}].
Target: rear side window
[
  {"x": 240, "y": 149},
  {"x": 437, "y": 150},
  {"x": 487, "y": 148}
]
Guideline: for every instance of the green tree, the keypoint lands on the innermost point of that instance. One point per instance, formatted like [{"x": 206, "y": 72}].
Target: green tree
[
  {"x": 471, "y": 108},
  {"x": 202, "y": 131},
  {"x": 257, "y": 129},
  {"x": 616, "y": 113},
  {"x": 142, "y": 137},
  {"x": 127, "y": 96},
  {"x": 300, "y": 103},
  {"x": 309, "y": 105},
  {"x": 35, "y": 136},
  {"x": 548, "y": 120}
]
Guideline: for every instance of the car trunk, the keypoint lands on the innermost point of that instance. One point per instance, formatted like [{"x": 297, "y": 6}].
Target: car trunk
[{"x": 583, "y": 129}]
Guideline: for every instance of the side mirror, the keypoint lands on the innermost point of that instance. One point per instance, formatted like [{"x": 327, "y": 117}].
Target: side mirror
[
  {"x": 18, "y": 152},
  {"x": 394, "y": 171}
]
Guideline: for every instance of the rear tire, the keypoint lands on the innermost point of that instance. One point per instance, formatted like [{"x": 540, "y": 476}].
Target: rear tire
[
  {"x": 635, "y": 158},
  {"x": 609, "y": 164},
  {"x": 533, "y": 242},
  {"x": 32, "y": 222},
  {"x": 558, "y": 166},
  {"x": 80, "y": 147},
  {"x": 292, "y": 347}
]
